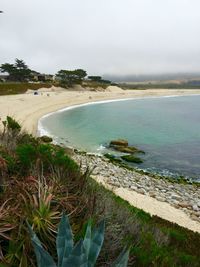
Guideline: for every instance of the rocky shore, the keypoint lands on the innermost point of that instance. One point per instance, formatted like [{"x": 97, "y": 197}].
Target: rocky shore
[{"x": 185, "y": 197}]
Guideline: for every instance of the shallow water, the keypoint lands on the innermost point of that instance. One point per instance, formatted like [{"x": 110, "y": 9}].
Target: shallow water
[{"x": 167, "y": 129}]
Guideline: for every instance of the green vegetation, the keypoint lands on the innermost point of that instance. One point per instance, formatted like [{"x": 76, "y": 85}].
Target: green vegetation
[
  {"x": 39, "y": 181},
  {"x": 18, "y": 77},
  {"x": 131, "y": 158},
  {"x": 112, "y": 158},
  {"x": 46, "y": 139},
  {"x": 95, "y": 85},
  {"x": 95, "y": 78},
  {"x": 68, "y": 78},
  {"x": 99, "y": 80},
  {"x": 84, "y": 253},
  {"x": 18, "y": 71},
  {"x": 143, "y": 86},
  {"x": 11, "y": 88},
  {"x": 154, "y": 242}
]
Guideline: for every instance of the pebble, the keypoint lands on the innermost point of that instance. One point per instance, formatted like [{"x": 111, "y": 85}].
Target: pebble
[
  {"x": 181, "y": 196},
  {"x": 195, "y": 208}
]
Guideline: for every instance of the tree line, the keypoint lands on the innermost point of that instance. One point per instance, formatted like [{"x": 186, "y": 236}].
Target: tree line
[{"x": 20, "y": 72}]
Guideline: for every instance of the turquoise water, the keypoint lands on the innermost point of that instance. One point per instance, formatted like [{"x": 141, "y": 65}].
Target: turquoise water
[{"x": 167, "y": 129}]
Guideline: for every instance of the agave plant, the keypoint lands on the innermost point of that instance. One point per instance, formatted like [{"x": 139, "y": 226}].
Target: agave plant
[{"x": 83, "y": 254}]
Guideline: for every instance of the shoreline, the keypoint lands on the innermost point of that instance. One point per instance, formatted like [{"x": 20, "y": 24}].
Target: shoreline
[
  {"x": 40, "y": 129},
  {"x": 170, "y": 201},
  {"x": 28, "y": 109}
]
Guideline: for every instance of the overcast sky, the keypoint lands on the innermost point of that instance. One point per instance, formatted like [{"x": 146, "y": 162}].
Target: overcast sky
[{"x": 102, "y": 36}]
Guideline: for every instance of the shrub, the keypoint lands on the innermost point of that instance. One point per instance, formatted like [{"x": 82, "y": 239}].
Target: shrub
[
  {"x": 12, "y": 124},
  {"x": 27, "y": 155},
  {"x": 84, "y": 253},
  {"x": 46, "y": 139}
]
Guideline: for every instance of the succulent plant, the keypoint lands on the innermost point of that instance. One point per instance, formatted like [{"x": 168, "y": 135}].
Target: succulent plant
[{"x": 83, "y": 254}]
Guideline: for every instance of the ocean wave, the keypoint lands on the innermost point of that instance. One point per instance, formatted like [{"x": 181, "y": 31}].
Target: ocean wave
[{"x": 101, "y": 148}]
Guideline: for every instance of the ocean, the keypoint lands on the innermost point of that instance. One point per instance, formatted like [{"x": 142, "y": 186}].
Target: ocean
[{"x": 166, "y": 128}]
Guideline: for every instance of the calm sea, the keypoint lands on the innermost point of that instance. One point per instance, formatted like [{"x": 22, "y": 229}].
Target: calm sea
[{"x": 167, "y": 129}]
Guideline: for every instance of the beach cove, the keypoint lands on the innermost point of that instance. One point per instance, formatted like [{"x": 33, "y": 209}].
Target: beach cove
[{"x": 29, "y": 108}]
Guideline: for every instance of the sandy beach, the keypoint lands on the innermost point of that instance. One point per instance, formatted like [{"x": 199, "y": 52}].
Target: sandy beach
[{"x": 29, "y": 108}]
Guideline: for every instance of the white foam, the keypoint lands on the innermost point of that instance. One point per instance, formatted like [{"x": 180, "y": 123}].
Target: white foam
[
  {"x": 43, "y": 131},
  {"x": 101, "y": 147}
]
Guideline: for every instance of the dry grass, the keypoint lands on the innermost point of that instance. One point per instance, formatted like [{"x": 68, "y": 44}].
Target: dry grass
[{"x": 20, "y": 88}]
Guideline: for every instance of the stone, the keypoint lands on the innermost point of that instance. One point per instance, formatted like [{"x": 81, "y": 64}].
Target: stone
[
  {"x": 141, "y": 191},
  {"x": 133, "y": 187},
  {"x": 119, "y": 142},
  {"x": 127, "y": 149},
  {"x": 195, "y": 208},
  {"x": 174, "y": 196},
  {"x": 46, "y": 139},
  {"x": 152, "y": 194},
  {"x": 184, "y": 196},
  {"x": 184, "y": 204},
  {"x": 162, "y": 199}
]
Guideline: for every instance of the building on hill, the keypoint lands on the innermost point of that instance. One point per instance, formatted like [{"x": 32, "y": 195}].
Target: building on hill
[
  {"x": 38, "y": 77},
  {"x": 3, "y": 77}
]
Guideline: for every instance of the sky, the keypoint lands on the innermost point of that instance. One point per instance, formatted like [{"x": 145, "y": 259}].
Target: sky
[{"x": 113, "y": 37}]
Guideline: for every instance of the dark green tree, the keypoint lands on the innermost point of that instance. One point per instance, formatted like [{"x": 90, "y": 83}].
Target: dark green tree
[
  {"x": 106, "y": 81},
  {"x": 68, "y": 78},
  {"x": 18, "y": 71},
  {"x": 7, "y": 67},
  {"x": 98, "y": 79},
  {"x": 81, "y": 74},
  {"x": 95, "y": 78}
]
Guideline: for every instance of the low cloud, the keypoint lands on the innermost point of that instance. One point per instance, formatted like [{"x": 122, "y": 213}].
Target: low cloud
[{"x": 104, "y": 37}]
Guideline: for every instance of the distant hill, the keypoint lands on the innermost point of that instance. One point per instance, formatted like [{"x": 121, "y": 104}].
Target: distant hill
[{"x": 176, "y": 78}]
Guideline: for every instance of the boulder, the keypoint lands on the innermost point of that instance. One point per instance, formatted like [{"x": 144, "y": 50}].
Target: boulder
[
  {"x": 121, "y": 145},
  {"x": 119, "y": 142},
  {"x": 131, "y": 158},
  {"x": 46, "y": 139},
  {"x": 128, "y": 149}
]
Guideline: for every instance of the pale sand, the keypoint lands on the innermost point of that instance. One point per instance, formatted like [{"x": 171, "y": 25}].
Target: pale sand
[
  {"x": 152, "y": 206},
  {"x": 29, "y": 108}
]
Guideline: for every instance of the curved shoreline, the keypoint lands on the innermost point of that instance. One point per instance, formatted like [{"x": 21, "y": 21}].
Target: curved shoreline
[
  {"x": 28, "y": 109},
  {"x": 43, "y": 131},
  {"x": 40, "y": 128}
]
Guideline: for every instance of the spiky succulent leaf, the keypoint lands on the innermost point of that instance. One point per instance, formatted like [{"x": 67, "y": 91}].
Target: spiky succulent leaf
[
  {"x": 64, "y": 240},
  {"x": 122, "y": 259},
  {"x": 77, "y": 257},
  {"x": 87, "y": 238},
  {"x": 96, "y": 243},
  {"x": 33, "y": 235},
  {"x": 43, "y": 257}
]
